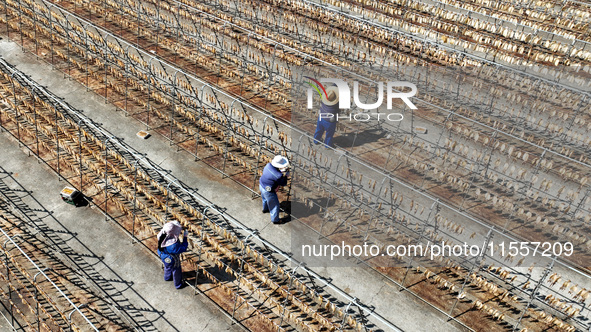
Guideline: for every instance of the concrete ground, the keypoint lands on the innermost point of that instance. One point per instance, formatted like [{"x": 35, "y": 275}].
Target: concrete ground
[
  {"x": 181, "y": 309},
  {"x": 4, "y": 320}
]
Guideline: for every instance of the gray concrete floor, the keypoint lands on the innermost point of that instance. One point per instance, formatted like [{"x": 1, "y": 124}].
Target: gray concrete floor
[
  {"x": 182, "y": 309},
  {"x": 4, "y": 324}
]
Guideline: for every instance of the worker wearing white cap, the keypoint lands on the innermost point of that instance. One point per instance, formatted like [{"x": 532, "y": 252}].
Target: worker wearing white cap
[
  {"x": 327, "y": 119},
  {"x": 169, "y": 250},
  {"x": 274, "y": 175}
]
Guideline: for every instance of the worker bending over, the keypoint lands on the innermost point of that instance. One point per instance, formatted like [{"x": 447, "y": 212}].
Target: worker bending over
[{"x": 274, "y": 176}]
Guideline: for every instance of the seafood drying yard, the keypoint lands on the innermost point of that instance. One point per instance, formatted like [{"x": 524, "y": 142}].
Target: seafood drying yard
[{"x": 153, "y": 111}]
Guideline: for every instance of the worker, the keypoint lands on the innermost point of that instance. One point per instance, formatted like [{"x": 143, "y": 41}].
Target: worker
[
  {"x": 274, "y": 176},
  {"x": 169, "y": 250},
  {"x": 327, "y": 118}
]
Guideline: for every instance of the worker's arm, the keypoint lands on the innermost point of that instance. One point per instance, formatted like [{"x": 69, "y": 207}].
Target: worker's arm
[
  {"x": 162, "y": 237},
  {"x": 177, "y": 248},
  {"x": 185, "y": 243},
  {"x": 282, "y": 181}
]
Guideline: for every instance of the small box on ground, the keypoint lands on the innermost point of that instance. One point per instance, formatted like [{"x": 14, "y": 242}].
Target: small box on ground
[
  {"x": 71, "y": 196},
  {"x": 143, "y": 134},
  {"x": 420, "y": 130}
]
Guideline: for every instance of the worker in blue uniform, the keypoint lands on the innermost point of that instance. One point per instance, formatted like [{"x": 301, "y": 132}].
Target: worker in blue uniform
[
  {"x": 274, "y": 176},
  {"x": 328, "y": 116},
  {"x": 169, "y": 249}
]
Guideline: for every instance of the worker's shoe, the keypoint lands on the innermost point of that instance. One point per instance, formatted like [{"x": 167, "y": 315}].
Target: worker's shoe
[{"x": 265, "y": 211}]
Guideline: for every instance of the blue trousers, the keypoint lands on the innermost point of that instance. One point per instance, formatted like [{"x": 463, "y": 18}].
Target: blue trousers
[
  {"x": 173, "y": 271},
  {"x": 270, "y": 203},
  {"x": 323, "y": 126}
]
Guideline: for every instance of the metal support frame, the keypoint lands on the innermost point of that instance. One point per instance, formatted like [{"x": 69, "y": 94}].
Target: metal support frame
[
  {"x": 41, "y": 272},
  {"x": 262, "y": 138},
  {"x": 36, "y": 299},
  {"x": 76, "y": 309}
]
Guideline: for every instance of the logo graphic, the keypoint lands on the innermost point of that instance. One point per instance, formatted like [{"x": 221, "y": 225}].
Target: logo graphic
[
  {"x": 345, "y": 93},
  {"x": 319, "y": 85}
]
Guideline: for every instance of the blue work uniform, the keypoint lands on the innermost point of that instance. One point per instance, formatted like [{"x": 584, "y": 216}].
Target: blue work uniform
[
  {"x": 270, "y": 180},
  {"x": 327, "y": 123},
  {"x": 170, "y": 256}
]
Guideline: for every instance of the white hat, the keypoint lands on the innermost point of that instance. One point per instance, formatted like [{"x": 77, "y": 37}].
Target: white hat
[
  {"x": 280, "y": 162},
  {"x": 333, "y": 96},
  {"x": 172, "y": 230}
]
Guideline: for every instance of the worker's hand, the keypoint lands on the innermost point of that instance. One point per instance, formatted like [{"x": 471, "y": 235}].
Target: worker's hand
[
  {"x": 185, "y": 234},
  {"x": 285, "y": 172}
]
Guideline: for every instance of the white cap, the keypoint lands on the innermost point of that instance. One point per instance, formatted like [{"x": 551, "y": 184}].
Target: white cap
[
  {"x": 280, "y": 162},
  {"x": 333, "y": 96},
  {"x": 172, "y": 227}
]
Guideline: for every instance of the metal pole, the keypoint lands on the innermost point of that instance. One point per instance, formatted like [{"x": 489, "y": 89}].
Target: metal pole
[
  {"x": 346, "y": 313},
  {"x": 375, "y": 209},
  {"x": 8, "y": 277},
  {"x": 166, "y": 208},
  {"x": 80, "y": 152},
  {"x": 475, "y": 269},
  {"x": 52, "y": 35},
  {"x": 68, "y": 42},
  {"x": 57, "y": 144},
  {"x": 126, "y": 80},
  {"x": 256, "y": 169},
  {"x": 330, "y": 194},
  {"x": 15, "y": 108},
  {"x": 87, "y": 58},
  {"x": 229, "y": 127},
  {"x": 6, "y": 19},
  {"x": 8, "y": 272},
  {"x": 198, "y": 133},
  {"x": 106, "y": 59},
  {"x": 107, "y": 139},
  {"x": 434, "y": 207},
  {"x": 534, "y": 292},
  {"x": 288, "y": 292},
  {"x": 83, "y": 305},
  {"x": 36, "y": 300},
  {"x": 35, "y": 120},
  {"x": 135, "y": 166},
  {"x": 174, "y": 101},
  {"x": 201, "y": 239},
  {"x": 240, "y": 270}
]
